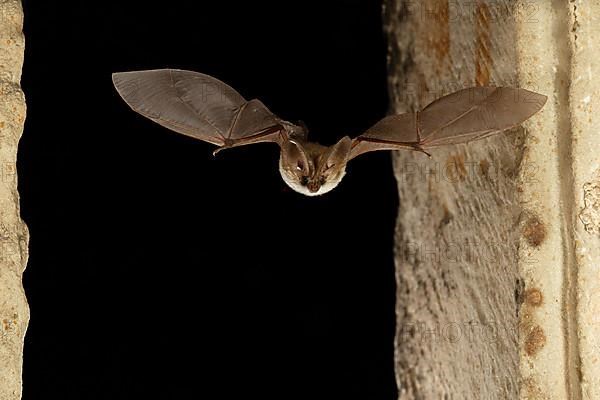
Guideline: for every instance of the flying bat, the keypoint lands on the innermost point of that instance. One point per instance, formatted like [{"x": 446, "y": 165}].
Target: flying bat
[{"x": 205, "y": 108}]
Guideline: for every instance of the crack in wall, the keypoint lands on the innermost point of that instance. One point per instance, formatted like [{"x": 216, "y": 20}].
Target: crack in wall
[{"x": 565, "y": 43}]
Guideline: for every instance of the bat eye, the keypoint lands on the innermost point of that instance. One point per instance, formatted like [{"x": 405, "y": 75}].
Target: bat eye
[
  {"x": 304, "y": 180},
  {"x": 300, "y": 166},
  {"x": 322, "y": 180}
]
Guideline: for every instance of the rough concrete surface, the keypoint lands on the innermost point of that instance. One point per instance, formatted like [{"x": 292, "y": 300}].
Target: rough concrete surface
[
  {"x": 498, "y": 241},
  {"x": 547, "y": 360},
  {"x": 14, "y": 312},
  {"x": 583, "y": 25},
  {"x": 459, "y": 213}
]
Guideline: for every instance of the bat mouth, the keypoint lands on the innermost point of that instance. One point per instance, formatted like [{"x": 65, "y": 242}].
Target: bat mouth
[
  {"x": 313, "y": 186},
  {"x": 317, "y": 189}
]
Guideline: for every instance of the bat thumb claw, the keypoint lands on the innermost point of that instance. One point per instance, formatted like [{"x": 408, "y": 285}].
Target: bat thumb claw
[{"x": 226, "y": 145}]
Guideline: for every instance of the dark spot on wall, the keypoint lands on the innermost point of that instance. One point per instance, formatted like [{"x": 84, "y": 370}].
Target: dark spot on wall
[
  {"x": 8, "y": 325},
  {"x": 446, "y": 218},
  {"x": 483, "y": 58},
  {"x": 575, "y": 25},
  {"x": 533, "y": 297},
  {"x": 534, "y": 231},
  {"x": 484, "y": 167},
  {"x": 423, "y": 93},
  {"x": 519, "y": 289},
  {"x": 535, "y": 340},
  {"x": 455, "y": 169},
  {"x": 532, "y": 390},
  {"x": 436, "y": 15}
]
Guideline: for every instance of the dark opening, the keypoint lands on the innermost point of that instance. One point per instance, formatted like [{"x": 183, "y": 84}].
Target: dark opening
[{"x": 158, "y": 271}]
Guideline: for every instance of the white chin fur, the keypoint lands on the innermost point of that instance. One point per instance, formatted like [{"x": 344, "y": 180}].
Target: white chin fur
[{"x": 294, "y": 184}]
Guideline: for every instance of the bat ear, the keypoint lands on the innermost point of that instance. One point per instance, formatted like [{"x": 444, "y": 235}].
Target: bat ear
[
  {"x": 339, "y": 152},
  {"x": 294, "y": 156}
]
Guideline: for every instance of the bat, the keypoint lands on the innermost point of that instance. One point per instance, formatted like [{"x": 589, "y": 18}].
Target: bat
[{"x": 205, "y": 108}]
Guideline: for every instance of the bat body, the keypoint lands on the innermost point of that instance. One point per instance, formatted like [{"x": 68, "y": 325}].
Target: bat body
[{"x": 205, "y": 108}]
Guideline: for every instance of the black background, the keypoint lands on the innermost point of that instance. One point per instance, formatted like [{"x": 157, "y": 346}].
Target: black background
[{"x": 158, "y": 271}]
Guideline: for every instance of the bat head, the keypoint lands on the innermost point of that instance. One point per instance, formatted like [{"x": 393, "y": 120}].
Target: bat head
[{"x": 312, "y": 169}]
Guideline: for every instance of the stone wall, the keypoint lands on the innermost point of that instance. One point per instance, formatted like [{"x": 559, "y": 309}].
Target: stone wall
[
  {"x": 14, "y": 312},
  {"x": 497, "y": 241}
]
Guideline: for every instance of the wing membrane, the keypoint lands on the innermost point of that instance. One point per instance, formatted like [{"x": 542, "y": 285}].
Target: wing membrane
[
  {"x": 197, "y": 105},
  {"x": 391, "y": 133},
  {"x": 475, "y": 113},
  {"x": 460, "y": 117}
]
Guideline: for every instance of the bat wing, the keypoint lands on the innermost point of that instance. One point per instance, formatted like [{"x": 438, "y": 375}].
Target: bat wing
[
  {"x": 460, "y": 117},
  {"x": 199, "y": 106}
]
